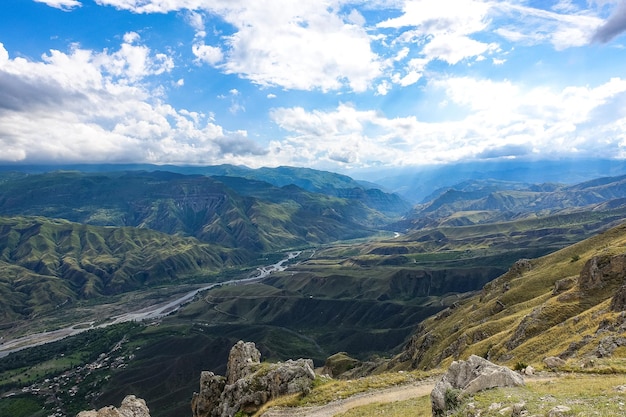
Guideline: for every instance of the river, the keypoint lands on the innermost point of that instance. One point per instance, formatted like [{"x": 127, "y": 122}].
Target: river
[{"x": 149, "y": 313}]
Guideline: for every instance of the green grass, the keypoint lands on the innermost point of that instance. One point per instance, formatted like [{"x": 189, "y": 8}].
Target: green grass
[
  {"x": 414, "y": 407},
  {"x": 586, "y": 395},
  {"x": 23, "y": 406}
]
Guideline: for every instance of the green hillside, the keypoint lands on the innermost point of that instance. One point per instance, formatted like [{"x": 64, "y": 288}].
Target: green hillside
[
  {"x": 46, "y": 264},
  {"x": 234, "y": 212}
]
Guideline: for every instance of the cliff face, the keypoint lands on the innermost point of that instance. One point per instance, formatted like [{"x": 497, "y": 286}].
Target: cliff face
[{"x": 248, "y": 383}]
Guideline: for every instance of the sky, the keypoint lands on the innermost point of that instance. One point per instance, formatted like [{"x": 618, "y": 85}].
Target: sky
[{"x": 328, "y": 84}]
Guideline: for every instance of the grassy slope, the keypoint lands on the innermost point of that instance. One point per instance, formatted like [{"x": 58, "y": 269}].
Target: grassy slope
[
  {"x": 47, "y": 264},
  {"x": 518, "y": 318}
]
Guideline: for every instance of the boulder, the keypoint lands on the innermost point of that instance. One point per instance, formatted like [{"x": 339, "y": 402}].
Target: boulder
[
  {"x": 564, "y": 284},
  {"x": 559, "y": 410},
  {"x": 553, "y": 362},
  {"x": 249, "y": 383},
  {"x": 468, "y": 377},
  {"x": 131, "y": 407}
]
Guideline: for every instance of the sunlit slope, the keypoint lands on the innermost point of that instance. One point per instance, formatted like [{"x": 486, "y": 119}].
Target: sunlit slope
[
  {"x": 46, "y": 264},
  {"x": 564, "y": 304}
]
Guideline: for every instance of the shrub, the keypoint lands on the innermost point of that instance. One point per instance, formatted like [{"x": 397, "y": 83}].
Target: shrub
[
  {"x": 520, "y": 366},
  {"x": 452, "y": 399}
]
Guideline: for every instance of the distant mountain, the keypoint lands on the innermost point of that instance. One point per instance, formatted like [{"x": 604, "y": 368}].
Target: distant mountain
[
  {"x": 312, "y": 180},
  {"x": 46, "y": 264},
  {"x": 229, "y": 211},
  {"x": 415, "y": 184},
  {"x": 476, "y": 202}
]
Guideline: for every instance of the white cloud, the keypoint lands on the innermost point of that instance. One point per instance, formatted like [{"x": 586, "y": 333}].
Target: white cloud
[
  {"x": 65, "y": 5},
  {"x": 86, "y": 106},
  {"x": 536, "y": 26},
  {"x": 500, "y": 119},
  {"x": 295, "y": 45},
  {"x": 452, "y": 49},
  {"x": 211, "y": 55}
]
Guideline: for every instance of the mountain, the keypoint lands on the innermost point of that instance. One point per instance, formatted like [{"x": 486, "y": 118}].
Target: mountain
[
  {"x": 416, "y": 183},
  {"x": 46, "y": 264},
  {"x": 568, "y": 304},
  {"x": 312, "y": 180},
  {"x": 229, "y": 211},
  {"x": 476, "y": 202}
]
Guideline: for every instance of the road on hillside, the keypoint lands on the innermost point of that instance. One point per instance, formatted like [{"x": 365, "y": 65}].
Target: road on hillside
[{"x": 389, "y": 395}]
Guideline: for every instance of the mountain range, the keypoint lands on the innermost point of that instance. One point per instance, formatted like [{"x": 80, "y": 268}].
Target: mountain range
[{"x": 395, "y": 284}]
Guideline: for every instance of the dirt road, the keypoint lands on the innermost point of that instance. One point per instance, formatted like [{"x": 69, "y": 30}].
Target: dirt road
[{"x": 389, "y": 395}]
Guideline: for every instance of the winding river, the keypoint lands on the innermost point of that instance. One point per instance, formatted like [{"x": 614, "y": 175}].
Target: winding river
[{"x": 149, "y": 313}]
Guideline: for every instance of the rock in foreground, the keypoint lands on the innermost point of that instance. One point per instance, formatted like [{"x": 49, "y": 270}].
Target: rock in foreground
[
  {"x": 249, "y": 383},
  {"x": 131, "y": 407},
  {"x": 468, "y": 377}
]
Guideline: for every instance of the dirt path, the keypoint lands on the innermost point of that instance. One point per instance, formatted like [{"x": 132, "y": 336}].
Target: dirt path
[{"x": 388, "y": 395}]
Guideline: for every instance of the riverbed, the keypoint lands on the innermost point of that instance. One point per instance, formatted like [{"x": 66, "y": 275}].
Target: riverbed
[{"x": 152, "y": 312}]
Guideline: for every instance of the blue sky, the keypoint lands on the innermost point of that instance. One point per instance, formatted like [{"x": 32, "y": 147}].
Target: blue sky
[{"x": 328, "y": 84}]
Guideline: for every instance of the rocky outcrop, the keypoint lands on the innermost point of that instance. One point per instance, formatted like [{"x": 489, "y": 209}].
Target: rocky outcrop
[
  {"x": 339, "y": 364},
  {"x": 468, "y": 377},
  {"x": 602, "y": 271},
  {"x": 248, "y": 383},
  {"x": 131, "y": 407},
  {"x": 563, "y": 285},
  {"x": 241, "y": 359},
  {"x": 618, "y": 302}
]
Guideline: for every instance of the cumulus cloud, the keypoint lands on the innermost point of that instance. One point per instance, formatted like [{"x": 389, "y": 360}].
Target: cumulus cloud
[
  {"x": 500, "y": 120},
  {"x": 65, "y": 5},
  {"x": 294, "y": 45},
  {"x": 239, "y": 144},
  {"x": 330, "y": 45},
  {"x": 614, "y": 25},
  {"x": 86, "y": 106},
  {"x": 211, "y": 55}
]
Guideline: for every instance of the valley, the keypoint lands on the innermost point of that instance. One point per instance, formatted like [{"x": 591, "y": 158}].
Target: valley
[
  {"x": 174, "y": 269},
  {"x": 150, "y": 312}
]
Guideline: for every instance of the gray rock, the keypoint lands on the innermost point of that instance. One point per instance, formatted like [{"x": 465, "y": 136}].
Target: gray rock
[
  {"x": 241, "y": 356},
  {"x": 559, "y": 410},
  {"x": 602, "y": 271},
  {"x": 249, "y": 383},
  {"x": 618, "y": 302},
  {"x": 468, "y": 377},
  {"x": 211, "y": 387},
  {"x": 131, "y": 407},
  {"x": 518, "y": 409},
  {"x": 552, "y": 362},
  {"x": 563, "y": 285}
]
